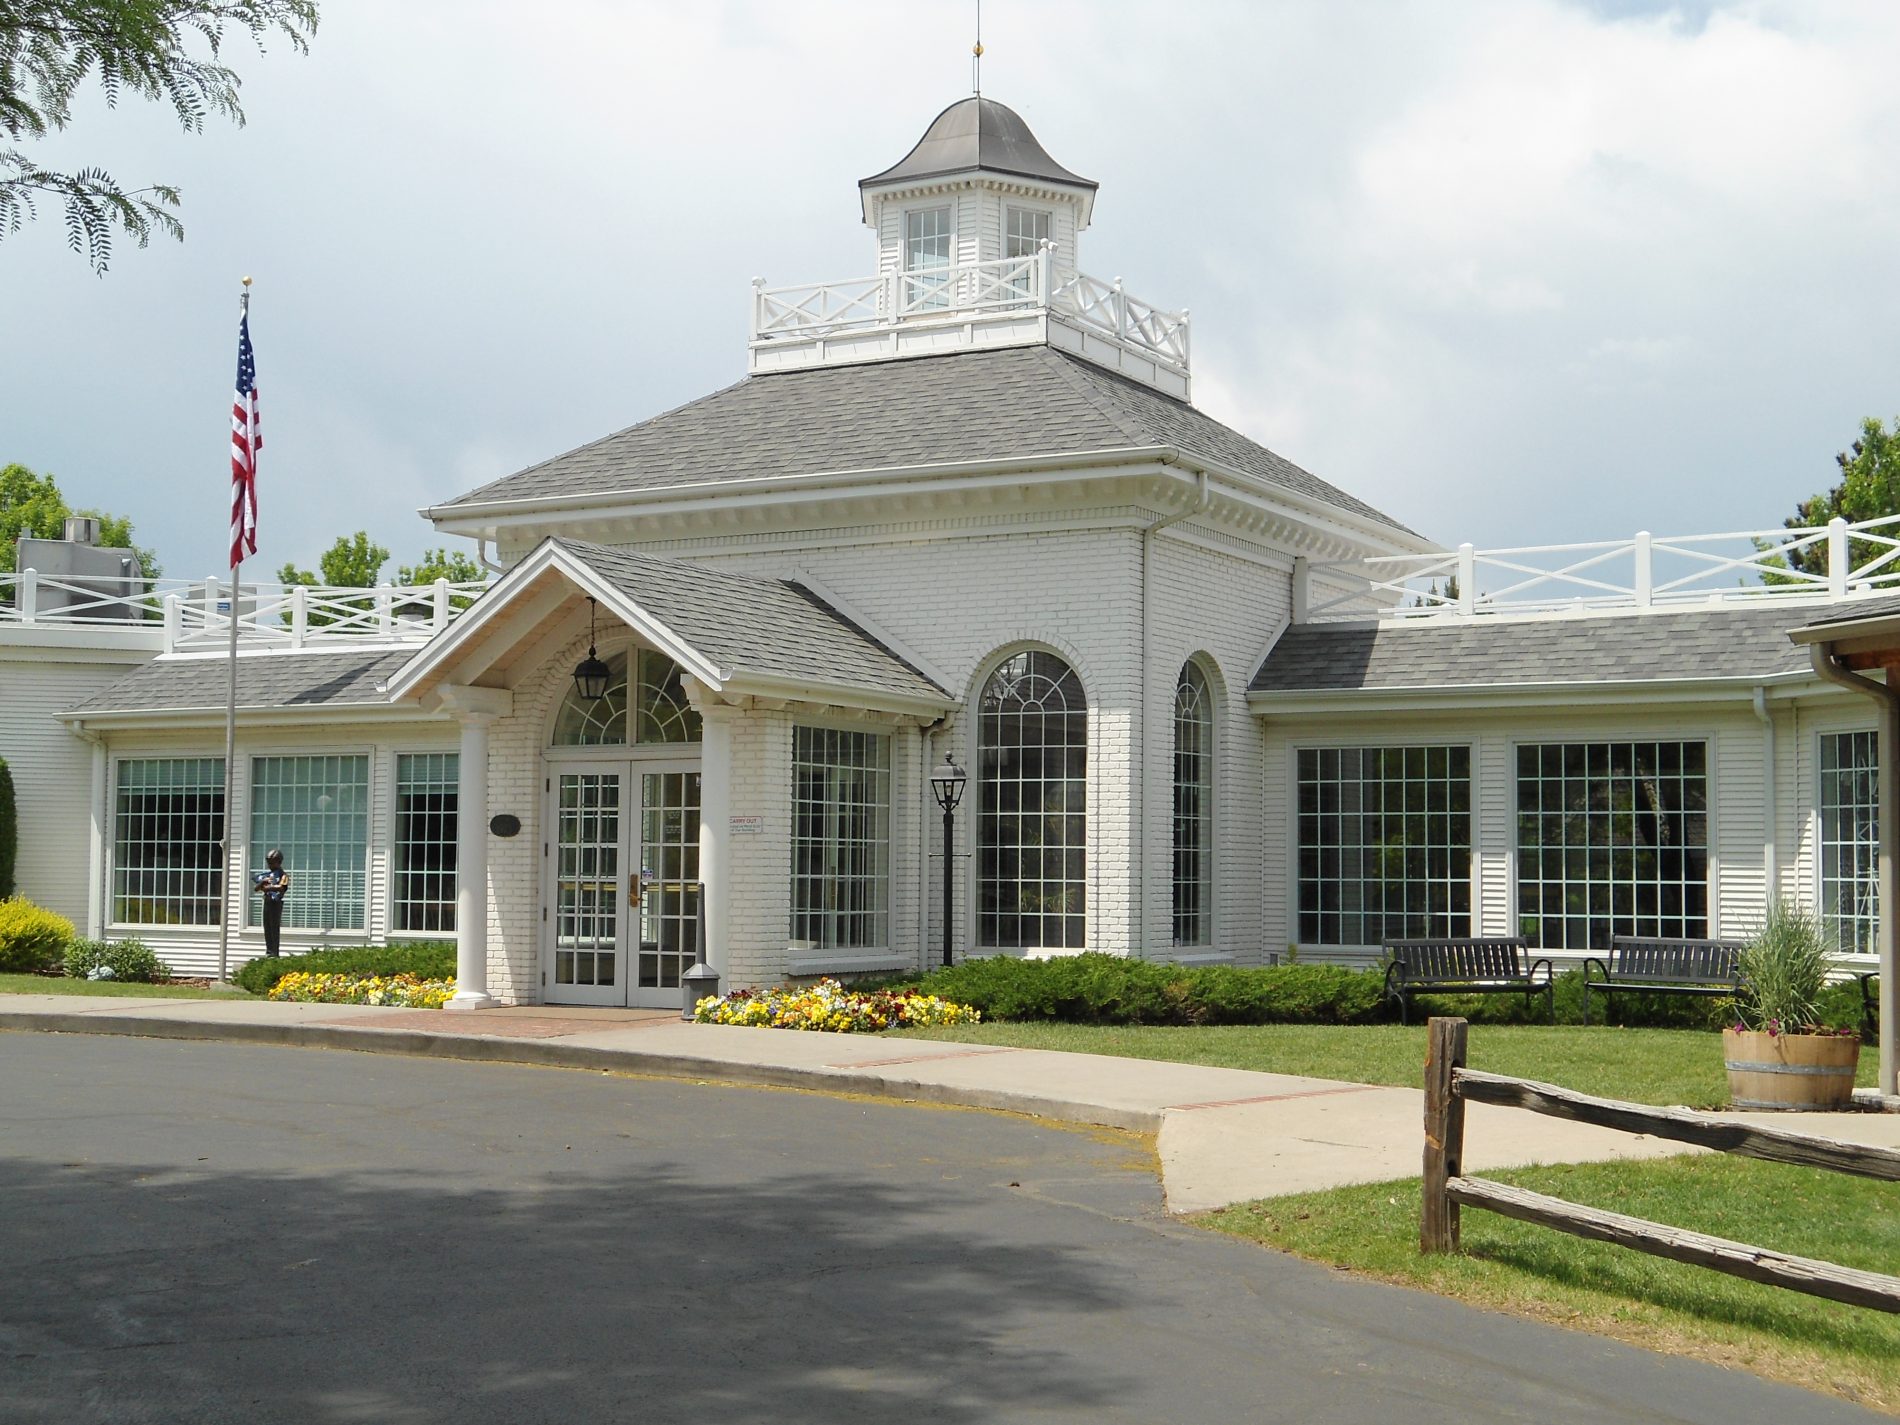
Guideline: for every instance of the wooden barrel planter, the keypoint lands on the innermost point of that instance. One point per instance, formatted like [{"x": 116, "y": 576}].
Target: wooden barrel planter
[{"x": 1790, "y": 1071}]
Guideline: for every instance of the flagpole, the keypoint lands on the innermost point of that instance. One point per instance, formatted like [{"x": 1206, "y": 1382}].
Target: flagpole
[{"x": 230, "y": 722}]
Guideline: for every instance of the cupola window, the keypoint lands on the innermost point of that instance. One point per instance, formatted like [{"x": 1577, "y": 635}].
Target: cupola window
[{"x": 926, "y": 258}]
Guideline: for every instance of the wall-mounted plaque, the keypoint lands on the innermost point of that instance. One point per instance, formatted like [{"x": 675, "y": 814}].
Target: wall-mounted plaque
[{"x": 507, "y": 824}]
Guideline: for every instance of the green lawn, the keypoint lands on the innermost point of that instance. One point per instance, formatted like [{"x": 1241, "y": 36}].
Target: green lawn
[
  {"x": 47, "y": 985},
  {"x": 1841, "y": 1350},
  {"x": 1663, "y": 1066}
]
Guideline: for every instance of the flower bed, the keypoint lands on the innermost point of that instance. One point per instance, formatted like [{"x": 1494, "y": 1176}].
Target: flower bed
[
  {"x": 830, "y": 1007},
  {"x": 407, "y": 991}
]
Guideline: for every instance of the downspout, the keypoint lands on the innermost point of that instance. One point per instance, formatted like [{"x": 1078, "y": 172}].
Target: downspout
[
  {"x": 1770, "y": 867},
  {"x": 481, "y": 556},
  {"x": 1829, "y": 668},
  {"x": 1201, "y": 501}
]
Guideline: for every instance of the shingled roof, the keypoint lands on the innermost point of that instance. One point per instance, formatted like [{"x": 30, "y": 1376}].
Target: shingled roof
[
  {"x": 748, "y": 624},
  {"x": 278, "y": 679},
  {"x": 977, "y": 133},
  {"x": 938, "y": 410},
  {"x": 1737, "y": 642}
]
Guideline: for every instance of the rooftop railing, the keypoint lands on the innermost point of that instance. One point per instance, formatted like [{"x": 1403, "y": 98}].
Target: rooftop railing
[
  {"x": 187, "y": 614},
  {"x": 1646, "y": 571},
  {"x": 977, "y": 289}
]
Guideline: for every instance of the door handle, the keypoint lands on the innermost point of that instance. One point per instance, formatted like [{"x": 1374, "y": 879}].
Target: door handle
[{"x": 633, "y": 889}]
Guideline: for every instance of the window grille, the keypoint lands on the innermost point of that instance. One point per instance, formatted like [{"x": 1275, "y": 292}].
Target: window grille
[
  {"x": 1193, "y": 808},
  {"x": 1384, "y": 844},
  {"x": 1850, "y": 839},
  {"x": 1032, "y": 807},
  {"x": 316, "y": 811},
  {"x": 926, "y": 258},
  {"x": 841, "y": 838},
  {"x": 1612, "y": 839},
  {"x": 167, "y": 826},
  {"x": 661, "y": 713},
  {"x": 427, "y": 791}
]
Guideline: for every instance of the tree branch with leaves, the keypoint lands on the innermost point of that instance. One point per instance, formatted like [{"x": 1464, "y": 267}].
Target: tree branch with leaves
[{"x": 49, "y": 49}]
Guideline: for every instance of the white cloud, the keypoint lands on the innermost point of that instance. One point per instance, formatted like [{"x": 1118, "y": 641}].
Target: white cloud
[{"x": 1512, "y": 269}]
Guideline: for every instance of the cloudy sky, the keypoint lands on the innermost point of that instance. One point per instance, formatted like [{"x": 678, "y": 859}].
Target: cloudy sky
[{"x": 1514, "y": 271}]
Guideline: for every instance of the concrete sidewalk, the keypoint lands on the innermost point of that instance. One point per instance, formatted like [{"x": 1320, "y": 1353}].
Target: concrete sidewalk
[{"x": 1222, "y": 1135}]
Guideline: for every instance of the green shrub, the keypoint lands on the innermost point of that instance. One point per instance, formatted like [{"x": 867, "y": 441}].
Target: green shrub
[
  {"x": 1095, "y": 988},
  {"x": 426, "y": 959},
  {"x": 9, "y": 831},
  {"x": 31, "y": 939},
  {"x": 1784, "y": 970},
  {"x": 126, "y": 959}
]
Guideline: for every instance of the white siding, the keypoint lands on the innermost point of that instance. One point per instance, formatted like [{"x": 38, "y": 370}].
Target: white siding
[{"x": 52, "y": 768}]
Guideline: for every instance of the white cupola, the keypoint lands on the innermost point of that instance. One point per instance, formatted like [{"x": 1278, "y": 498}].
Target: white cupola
[
  {"x": 976, "y": 248},
  {"x": 977, "y": 187}
]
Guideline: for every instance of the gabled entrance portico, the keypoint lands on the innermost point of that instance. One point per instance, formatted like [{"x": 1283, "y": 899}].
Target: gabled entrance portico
[{"x": 591, "y": 826}]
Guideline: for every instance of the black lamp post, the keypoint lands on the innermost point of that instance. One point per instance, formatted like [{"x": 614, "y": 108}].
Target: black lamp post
[
  {"x": 590, "y": 674},
  {"x": 947, "y": 782}
]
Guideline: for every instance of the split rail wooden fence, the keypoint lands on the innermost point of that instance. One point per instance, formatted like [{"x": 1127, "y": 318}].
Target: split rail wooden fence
[{"x": 1449, "y": 1085}]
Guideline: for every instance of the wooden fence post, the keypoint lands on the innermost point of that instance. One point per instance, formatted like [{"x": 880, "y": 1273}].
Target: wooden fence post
[{"x": 1444, "y": 1134}]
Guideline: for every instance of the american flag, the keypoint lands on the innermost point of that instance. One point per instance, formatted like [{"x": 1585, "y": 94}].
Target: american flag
[{"x": 247, "y": 438}]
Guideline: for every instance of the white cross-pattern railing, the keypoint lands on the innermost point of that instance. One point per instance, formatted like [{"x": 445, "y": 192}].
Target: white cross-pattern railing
[
  {"x": 1109, "y": 308},
  {"x": 1010, "y": 284},
  {"x": 197, "y": 613},
  {"x": 1646, "y": 571}
]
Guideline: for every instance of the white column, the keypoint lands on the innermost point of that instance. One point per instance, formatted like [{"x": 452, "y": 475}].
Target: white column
[
  {"x": 471, "y": 867},
  {"x": 715, "y": 812},
  {"x": 96, "y": 881}
]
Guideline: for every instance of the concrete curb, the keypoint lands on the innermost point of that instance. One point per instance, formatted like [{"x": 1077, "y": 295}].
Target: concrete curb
[{"x": 540, "y": 1053}]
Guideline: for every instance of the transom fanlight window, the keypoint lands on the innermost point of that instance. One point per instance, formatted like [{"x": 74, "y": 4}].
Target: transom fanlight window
[
  {"x": 659, "y": 712},
  {"x": 1193, "y": 807},
  {"x": 1032, "y": 814}
]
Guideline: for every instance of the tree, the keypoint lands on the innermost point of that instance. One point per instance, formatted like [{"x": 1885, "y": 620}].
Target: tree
[
  {"x": 450, "y": 564},
  {"x": 353, "y": 562},
  {"x": 31, "y": 506},
  {"x": 48, "y": 48},
  {"x": 1869, "y": 489}
]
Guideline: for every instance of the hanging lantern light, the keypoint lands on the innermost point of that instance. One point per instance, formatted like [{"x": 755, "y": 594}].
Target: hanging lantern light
[{"x": 590, "y": 674}]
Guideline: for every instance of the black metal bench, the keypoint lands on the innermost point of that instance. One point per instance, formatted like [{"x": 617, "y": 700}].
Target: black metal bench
[
  {"x": 1663, "y": 967},
  {"x": 1869, "y": 1006},
  {"x": 1472, "y": 965}
]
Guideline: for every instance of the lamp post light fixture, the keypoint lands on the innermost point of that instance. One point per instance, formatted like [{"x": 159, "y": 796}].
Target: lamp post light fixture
[
  {"x": 947, "y": 783},
  {"x": 590, "y": 674}
]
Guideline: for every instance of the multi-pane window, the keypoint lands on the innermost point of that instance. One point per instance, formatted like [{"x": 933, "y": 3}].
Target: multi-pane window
[
  {"x": 1385, "y": 844},
  {"x": 841, "y": 838},
  {"x": 316, "y": 811},
  {"x": 1612, "y": 839},
  {"x": 658, "y": 707},
  {"x": 1032, "y": 807},
  {"x": 424, "y": 863},
  {"x": 168, "y": 821},
  {"x": 1193, "y": 807},
  {"x": 1850, "y": 839},
  {"x": 1025, "y": 230},
  {"x": 926, "y": 257}
]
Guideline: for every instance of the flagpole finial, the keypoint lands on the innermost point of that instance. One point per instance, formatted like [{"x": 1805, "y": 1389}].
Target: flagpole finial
[{"x": 245, "y": 280}]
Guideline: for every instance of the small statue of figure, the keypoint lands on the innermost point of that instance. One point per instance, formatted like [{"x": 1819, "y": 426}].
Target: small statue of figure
[{"x": 271, "y": 884}]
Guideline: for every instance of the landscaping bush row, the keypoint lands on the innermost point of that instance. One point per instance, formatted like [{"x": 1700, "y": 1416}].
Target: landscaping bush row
[
  {"x": 1107, "y": 989},
  {"x": 425, "y": 959},
  {"x": 115, "y": 960},
  {"x": 32, "y": 939}
]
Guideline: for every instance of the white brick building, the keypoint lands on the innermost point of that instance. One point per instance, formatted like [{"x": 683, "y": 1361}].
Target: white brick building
[{"x": 1210, "y": 706}]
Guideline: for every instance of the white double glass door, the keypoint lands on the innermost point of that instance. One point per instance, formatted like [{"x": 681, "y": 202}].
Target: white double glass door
[{"x": 622, "y": 889}]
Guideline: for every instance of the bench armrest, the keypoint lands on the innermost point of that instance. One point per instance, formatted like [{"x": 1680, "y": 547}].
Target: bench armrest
[
  {"x": 1603, "y": 971},
  {"x": 1394, "y": 969},
  {"x": 1550, "y": 973}
]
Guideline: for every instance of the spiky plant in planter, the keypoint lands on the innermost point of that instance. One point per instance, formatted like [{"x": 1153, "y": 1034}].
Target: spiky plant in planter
[{"x": 1777, "y": 1055}]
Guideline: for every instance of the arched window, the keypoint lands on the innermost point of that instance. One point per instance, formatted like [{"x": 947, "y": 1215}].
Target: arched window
[
  {"x": 660, "y": 711},
  {"x": 1193, "y": 807},
  {"x": 1032, "y": 817}
]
